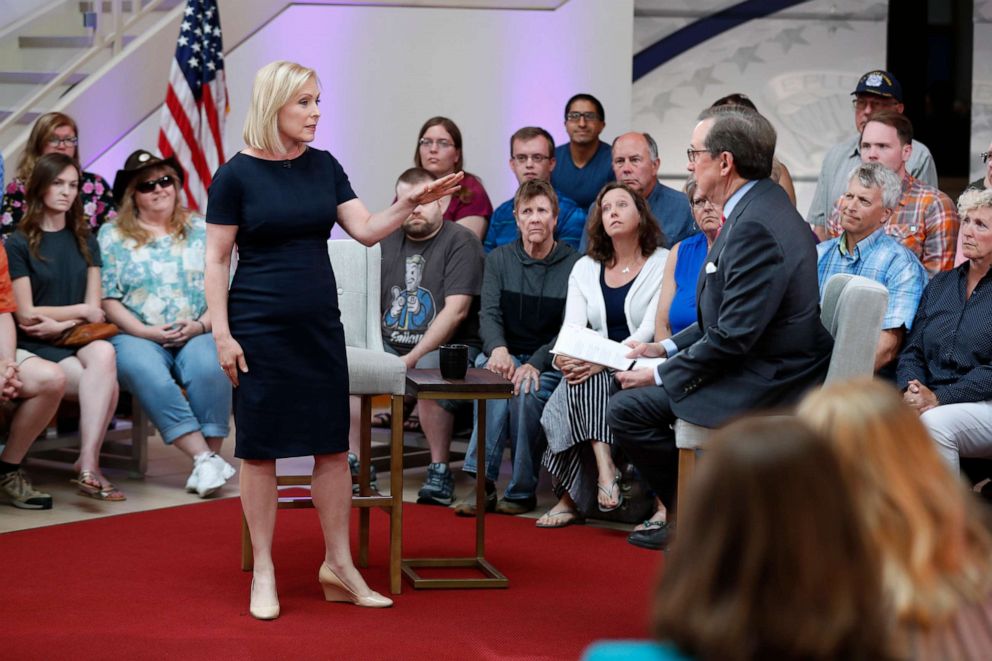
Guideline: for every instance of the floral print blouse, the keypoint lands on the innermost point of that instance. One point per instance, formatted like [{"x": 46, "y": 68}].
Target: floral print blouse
[
  {"x": 160, "y": 282},
  {"x": 94, "y": 191}
]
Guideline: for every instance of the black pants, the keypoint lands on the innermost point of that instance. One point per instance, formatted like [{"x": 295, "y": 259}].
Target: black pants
[{"x": 641, "y": 421}]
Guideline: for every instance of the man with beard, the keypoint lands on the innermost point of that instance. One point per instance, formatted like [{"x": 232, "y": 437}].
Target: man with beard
[{"x": 431, "y": 281}]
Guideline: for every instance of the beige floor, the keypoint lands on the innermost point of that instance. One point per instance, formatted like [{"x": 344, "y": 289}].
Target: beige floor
[{"x": 168, "y": 469}]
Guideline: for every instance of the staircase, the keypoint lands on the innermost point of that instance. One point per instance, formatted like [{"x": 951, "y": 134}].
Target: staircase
[{"x": 38, "y": 48}]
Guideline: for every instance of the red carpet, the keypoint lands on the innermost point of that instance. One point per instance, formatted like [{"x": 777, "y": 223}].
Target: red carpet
[{"x": 167, "y": 584}]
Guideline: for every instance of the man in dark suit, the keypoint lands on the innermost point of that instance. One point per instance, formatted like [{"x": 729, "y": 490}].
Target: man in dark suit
[{"x": 759, "y": 341}]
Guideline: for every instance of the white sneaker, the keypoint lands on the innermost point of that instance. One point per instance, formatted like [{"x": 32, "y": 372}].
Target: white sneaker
[
  {"x": 211, "y": 474},
  {"x": 193, "y": 479}
]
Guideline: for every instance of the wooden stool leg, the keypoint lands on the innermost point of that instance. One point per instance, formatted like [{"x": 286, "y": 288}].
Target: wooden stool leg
[
  {"x": 687, "y": 463},
  {"x": 364, "y": 476},
  {"x": 247, "y": 559},
  {"x": 396, "y": 493}
]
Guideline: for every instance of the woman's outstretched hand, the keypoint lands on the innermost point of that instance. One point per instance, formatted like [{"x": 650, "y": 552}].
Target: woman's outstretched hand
[{"x": 435, "y": 190}]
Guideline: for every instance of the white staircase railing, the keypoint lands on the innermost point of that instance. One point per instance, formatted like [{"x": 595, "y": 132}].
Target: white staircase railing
[{"x": 114, "y": 38}]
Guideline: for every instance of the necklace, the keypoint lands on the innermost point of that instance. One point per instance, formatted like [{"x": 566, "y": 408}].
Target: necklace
[{"x": 631, "y": 264}]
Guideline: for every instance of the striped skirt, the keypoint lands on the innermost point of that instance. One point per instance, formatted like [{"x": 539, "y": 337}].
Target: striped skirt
[{"x": 573, "y": 415}]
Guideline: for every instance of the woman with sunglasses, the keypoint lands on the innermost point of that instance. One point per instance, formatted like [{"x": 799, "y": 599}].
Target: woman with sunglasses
[
  {"x": 152, "y": 276},
  {"x": 55, "y": 133},
  {"x": 439, "y": 151},
  {"x": 55, "y": 271}
]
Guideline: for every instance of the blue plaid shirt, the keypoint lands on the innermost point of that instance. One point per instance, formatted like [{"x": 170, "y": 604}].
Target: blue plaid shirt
[{"x": 883, "y": 259}]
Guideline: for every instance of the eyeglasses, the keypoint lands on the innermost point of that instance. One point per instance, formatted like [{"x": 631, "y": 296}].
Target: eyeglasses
[
  {"x": 148, "y": 186},
  {"x": 56, "y": 141},
  {"x": 441, "y": 144},
  {"x": 863, "y": 103},
  {"x": 691, "y": 153},
  {"x": 536, "y": 158},
  {"x": 985, "y": 156},
  {"x": 701, "y": 202},
  {"x": 576, "y": 116}
]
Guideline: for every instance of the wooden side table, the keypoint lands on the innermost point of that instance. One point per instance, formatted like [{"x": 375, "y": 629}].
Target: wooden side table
[{"x": 478, "y": 385}]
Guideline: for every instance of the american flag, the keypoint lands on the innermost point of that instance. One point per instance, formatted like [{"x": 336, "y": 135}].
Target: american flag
[{"x": 192, "y": 124}]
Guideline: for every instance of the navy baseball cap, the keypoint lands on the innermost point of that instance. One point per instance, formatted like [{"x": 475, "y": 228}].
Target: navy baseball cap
[{"x": 880, "y": 83}]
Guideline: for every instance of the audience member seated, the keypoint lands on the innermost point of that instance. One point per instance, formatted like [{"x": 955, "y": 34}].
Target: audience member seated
[
  {"x": 769, "y": 562},
  {"x": 33, "y": 388},
  {"x": 613, "y": 290},
  {"x": 677, "y": 305},
  {"x": 926, "y": 221},
  {"x": 55, "y": 269},
  {"x": 582, "y": 165},
  {"x": 759, "y": 341},
  {"x": 635, "y": 163},
  {"x": 865, "y": 249},
  {"x": 925, "y": 528},
  {"x": 876, "y": 91},
  {"x": 431, "y": 281},
  {"x": 532, "y": 156},
  {"x": 780, "y": 173},
  {"x": 523, "y": 303},
  {"x": 55, "y": 133},
  {"x": 439, "y": 151},
  {"x": 152, "y": 275},
  {"x": 945, "y": 370}
]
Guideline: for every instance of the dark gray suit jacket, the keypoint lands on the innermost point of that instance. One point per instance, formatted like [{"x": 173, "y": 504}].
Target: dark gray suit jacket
[{"x": 759, "y": 341}]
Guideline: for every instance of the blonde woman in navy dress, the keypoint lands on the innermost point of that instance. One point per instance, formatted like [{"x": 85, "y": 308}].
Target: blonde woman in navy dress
[{"x": 278, "y": 330}]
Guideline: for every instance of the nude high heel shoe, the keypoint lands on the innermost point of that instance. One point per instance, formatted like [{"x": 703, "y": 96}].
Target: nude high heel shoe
[
  {"x": 336, "y": 590},
  {"x": 260, "y": 609}
]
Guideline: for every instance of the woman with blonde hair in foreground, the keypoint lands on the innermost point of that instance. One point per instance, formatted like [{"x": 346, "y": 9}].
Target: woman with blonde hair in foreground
[
  {"x": 770, "y": 561},
  {"x": 936, "y": 555}
]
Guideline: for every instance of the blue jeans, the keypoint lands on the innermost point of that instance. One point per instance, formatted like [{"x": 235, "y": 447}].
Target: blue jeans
[
  {"x": 157, "y": 376},
  {"x": 517, "y": 422}
]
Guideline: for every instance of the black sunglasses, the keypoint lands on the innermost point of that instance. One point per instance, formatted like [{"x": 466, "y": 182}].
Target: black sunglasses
[{"x": 148, "y": 186}]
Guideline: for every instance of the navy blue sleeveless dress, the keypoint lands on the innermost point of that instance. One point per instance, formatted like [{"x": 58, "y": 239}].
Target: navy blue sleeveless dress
[{"x": 283, "y": 305}]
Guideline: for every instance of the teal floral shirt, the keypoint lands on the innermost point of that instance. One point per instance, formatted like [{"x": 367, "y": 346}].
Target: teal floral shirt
[{"x": 162, "y": 281}]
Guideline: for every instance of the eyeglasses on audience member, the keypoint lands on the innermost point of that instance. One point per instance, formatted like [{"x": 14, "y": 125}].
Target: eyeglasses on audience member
[
  {"x": 691, "y": 153},
  {"x": 577, "y": 116},
  {"x": 536, "y": 158},
  {"x": 985, "y": 156},
  {"x": 862, "y": 103},
  {"x": 148, "y": 186},
  {"x": 56, "y": 141},
  {"x": 441, "y": 143}
]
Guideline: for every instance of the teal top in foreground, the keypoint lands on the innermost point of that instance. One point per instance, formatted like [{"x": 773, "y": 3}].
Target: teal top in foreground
[{"x": 633, "y": 650}]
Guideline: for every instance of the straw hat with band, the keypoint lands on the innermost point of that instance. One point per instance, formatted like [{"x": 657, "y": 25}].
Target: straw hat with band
[{"x": 137, "y": 162}]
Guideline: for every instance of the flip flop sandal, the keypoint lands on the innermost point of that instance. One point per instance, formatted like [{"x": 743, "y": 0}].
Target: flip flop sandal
[
  {"x": 412, "y": 423},
  {"x": 608, "y": 492},
  {"x": 382, "y": 420},
  {"x": 556, "y": 522},
  {"x": 90, "y": 486}
]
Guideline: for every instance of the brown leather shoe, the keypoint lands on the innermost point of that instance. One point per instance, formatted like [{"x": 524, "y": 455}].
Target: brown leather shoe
[
  {"x": 466, "y": 506},
  {"x": 515, "y": 507}
]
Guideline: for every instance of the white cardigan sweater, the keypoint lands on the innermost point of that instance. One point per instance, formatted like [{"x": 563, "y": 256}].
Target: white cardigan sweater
[{"x": 585, "y": 305}]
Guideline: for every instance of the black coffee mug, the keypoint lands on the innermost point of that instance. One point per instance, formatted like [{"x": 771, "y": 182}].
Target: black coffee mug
[{"x": 453, "y": 361}]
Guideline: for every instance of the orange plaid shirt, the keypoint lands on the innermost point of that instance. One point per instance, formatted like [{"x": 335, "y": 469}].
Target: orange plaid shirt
[{"x": 926, "y": 222}]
